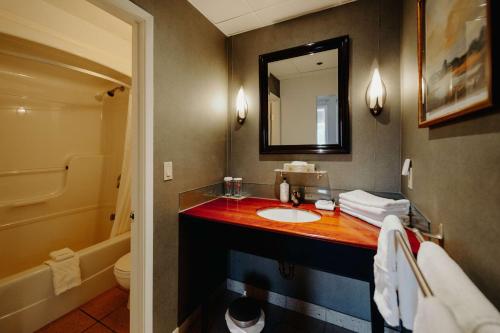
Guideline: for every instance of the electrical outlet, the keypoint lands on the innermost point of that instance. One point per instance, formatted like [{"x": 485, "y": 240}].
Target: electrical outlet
[
  {"x": 410, "y": 179},
  {"x": 168, "y": 173}
]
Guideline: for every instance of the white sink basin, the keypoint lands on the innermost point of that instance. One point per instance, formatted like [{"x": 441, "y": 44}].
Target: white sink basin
[{"x": 289, "y": 215}]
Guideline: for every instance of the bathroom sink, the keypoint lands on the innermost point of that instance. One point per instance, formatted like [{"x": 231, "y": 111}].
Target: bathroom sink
[{"x": 289, "y": 215}]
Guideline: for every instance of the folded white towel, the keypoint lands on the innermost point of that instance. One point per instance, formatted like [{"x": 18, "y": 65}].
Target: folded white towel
[
  {"x": 364, "y": 198},
  {"x": 433, "y": 316},
  {"x": 449, "y": 283},
  {"x": 393, "y": 276},
  {"x": 61, "y": 254},
  {"x": 374, "y": 212},
  {"x": 325, "y": 205},
  {"x": 65, "y": 274},
  {"x": 375, "y": 222}
]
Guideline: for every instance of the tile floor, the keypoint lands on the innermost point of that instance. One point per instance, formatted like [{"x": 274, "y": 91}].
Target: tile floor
[
  {"x": 278, "y": 320},
  {"x": 107, "y": 313}
]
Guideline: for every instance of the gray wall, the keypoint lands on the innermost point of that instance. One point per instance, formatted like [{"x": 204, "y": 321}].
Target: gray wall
[
  {"x": 456, "y": 169},
  {"x": 375, "y": 160},
  {"x": 190, "y": 130}
]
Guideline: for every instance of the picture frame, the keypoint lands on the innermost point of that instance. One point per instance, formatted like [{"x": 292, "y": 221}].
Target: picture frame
[{"x": 454, "y": 59}]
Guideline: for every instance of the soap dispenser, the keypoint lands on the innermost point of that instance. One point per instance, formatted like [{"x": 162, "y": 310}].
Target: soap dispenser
[{"x": 284, "y": 191}]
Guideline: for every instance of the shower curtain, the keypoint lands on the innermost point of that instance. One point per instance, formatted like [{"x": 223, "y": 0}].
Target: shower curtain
[{"x": 123, "y": 200}]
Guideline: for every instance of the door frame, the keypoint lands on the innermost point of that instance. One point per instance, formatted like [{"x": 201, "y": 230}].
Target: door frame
[{"x": 141, "y": 286}]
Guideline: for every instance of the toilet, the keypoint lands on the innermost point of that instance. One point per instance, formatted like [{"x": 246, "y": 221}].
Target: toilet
[{"x": 122, "y": 272}]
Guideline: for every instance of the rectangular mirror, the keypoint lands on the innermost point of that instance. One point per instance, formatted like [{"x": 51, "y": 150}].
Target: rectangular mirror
[{"x": 304, "y": 99}]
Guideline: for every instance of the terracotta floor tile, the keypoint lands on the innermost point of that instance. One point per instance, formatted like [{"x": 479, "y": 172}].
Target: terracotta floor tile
[
  {"x": 74, "y": 322},
  {"x": 119, "y": 320},
  {"x": 98, "y": 328},
  {"x": 105, "y": 303}
]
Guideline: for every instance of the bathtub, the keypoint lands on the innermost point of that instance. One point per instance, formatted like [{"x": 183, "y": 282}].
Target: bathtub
[{"x": 27, "y": 300}]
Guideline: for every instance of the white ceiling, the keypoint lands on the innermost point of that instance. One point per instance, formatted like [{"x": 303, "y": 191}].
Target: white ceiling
[
  {"x": 236, "y": 16},
  {"x": 296, "y": 67}
]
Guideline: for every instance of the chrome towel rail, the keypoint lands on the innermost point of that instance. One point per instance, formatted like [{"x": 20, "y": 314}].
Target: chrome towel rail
[{"x": 421, "y": 281}]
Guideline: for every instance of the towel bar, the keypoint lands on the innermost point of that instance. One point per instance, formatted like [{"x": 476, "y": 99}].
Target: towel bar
[
  {"x": 421, "y": 281},
  {"x": 420, "y": 234},
  {"x": 439, "y": 236}
]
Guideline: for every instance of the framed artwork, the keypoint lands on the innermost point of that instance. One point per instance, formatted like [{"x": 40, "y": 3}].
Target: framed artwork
[{"x": 454, "y": 59}]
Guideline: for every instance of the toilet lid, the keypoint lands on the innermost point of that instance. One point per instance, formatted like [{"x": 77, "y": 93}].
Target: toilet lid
[{"x": 123, "y": 264}]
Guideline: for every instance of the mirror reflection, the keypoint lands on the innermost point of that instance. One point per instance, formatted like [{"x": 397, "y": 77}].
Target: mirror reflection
[{"x": 303, "y": 100}]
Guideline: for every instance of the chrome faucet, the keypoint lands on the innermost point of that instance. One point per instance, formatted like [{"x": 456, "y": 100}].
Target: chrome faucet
[{"x": 296, "y": 198}]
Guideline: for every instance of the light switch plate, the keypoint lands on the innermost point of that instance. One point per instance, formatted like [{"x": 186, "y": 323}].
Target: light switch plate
[{"x": 168, "y": 173}]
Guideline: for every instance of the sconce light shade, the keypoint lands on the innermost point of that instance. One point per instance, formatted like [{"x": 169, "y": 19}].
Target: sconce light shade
[
  {"x": 241, "y": 106},
  {"x": 376, "y": 94}
]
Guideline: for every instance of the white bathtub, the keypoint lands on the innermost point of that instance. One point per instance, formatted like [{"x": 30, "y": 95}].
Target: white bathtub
[{"x": 27, "y": 300}]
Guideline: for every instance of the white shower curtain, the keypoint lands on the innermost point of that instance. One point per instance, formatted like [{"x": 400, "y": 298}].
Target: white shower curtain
[{"x": 123, "y": 200}]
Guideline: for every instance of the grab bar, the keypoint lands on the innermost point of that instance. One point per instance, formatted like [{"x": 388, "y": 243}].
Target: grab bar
[
  {"x": 33, "y": 171},
  {"x": 31, "y": 202},
  {"x": 43, "y": 198},
  {"x": 39, "y": 199},
  {"x": 422, "y": 282}
]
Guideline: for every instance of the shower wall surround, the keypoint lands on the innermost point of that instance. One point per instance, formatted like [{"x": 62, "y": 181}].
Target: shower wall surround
[{"x": 62, "y": 150}]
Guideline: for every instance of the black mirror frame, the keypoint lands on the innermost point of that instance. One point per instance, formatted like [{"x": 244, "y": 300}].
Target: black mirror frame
[{"x": 343, "y": 147}]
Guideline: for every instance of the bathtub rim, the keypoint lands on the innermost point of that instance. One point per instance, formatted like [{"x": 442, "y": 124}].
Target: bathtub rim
[{"x": 30, "y": 272}]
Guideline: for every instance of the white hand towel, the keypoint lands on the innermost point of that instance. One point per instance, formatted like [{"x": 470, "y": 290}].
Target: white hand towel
[
  {"x": 65, "y": 274},
  {"x": 377, "y": 223},
  {"x": 392, "y": 276},
  {"x": 449, "y": 283},
  {"x": 433, "y": 316},
  {"x": 325, "y": 205},
  {"x": 61, "y": 254},
  {"x": 407, "y": 287},
  {"x": 374, "y": 212},
  {"x": 364, "y": 198}
]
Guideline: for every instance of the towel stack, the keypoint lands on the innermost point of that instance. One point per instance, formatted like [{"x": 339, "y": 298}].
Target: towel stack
[{"x": 370, "y": 208}]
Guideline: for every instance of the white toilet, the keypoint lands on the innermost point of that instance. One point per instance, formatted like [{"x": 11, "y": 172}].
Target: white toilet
[{"x": 122, "y": 272}]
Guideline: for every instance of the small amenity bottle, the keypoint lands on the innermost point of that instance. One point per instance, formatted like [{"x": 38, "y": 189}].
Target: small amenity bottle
[
  {"x": 237, "y": 184},
  {"x": 228, "y": 186},
  {"x": 284, "y": 191}
]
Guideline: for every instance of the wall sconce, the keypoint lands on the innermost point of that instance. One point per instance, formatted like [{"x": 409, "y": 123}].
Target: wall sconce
[
  {"x": 376, "y": 94},
  {"x": 241, "y": 106}
]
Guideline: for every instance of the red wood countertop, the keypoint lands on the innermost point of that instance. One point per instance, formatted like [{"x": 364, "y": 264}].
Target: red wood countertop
[{"x": 335, "y": 227}]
